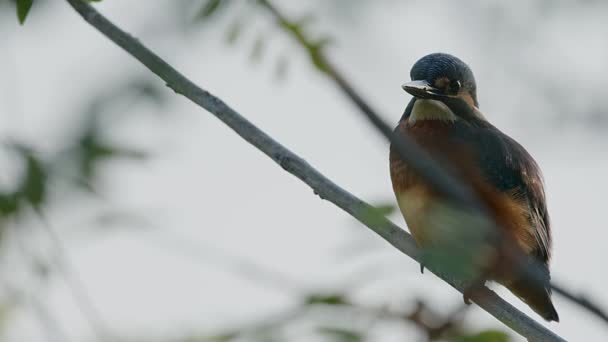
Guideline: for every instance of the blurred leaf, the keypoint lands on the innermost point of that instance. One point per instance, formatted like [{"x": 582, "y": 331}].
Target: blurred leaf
[
  {"x": 306, "y": 20},
  {"x": 385, "y": 208},
  {"x": 267, "y": 338},
  {"x": 314, "y": 49},
  {"x": 8, "y": 204},
  {"x": 234, "y": 31},
  {"x": 331, "y": 299},
  {"x": 33, "y": 187},
  {"x": 323, "y": 43},
  {"x": 227, "y": 337},
  {"x": 6, "y": 310},
  {"x": 376, "y": 215},
  {"x": 211, "y": 7},
  {"x": 281, "y": 68},
  {"x": 148, "y": 90},
  {"x": 485, "y": 336},
  {"x": 457, "y": 263},
  {"x": 93, "y": 151},
  {"x": 119, "y": 218},
  {"x": 23, "y": 8},
  {"x": 41, "y": 269},
  {"x": 257, "y": 50},
  {"x": 342, "y": 335}
]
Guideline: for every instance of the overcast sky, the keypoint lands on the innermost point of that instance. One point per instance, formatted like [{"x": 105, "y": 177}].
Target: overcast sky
[{"x": 205, "y": 193}]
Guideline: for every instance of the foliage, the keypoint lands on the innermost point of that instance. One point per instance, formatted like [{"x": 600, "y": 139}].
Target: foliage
[
  {"x": 485, "y": 336},
  {"x": 23, "y": 8}
]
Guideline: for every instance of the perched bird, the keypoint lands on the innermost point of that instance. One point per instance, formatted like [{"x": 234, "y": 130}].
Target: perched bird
[{"x": 443, "y": 117}]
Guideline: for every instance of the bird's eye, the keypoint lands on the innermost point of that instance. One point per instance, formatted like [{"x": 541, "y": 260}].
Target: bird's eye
[{"x": 455, "y": 87}]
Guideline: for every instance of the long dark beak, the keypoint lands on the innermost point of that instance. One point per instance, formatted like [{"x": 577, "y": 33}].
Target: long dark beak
[{"x": 421, "y": 89}]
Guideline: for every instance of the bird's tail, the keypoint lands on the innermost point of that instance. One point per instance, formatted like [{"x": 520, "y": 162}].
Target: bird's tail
[{"x": 537, "y": 296}]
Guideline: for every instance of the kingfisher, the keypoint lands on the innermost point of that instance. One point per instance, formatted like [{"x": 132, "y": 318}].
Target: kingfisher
[{"x": 444, "y": 119}]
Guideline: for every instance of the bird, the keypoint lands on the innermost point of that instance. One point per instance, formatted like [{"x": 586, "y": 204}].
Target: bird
[{"x": 444, "y": 119}]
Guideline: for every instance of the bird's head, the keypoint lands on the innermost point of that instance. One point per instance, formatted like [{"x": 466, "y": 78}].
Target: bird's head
[{"x": 443, "y": 77}]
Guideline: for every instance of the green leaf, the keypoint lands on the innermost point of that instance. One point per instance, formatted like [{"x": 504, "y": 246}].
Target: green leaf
[
  {"x": 330, "y": 299},
  {"x": 257, "y": 50},
  {"x": 8, "y": 204},
  {"x": 93, "y": 150},
  {"x": 234, "y": 31},
  {"x": 211, "y": 8},
  {"x": 281, "y": 68},
  {"x": 385, "y": 208},
  {"x": 33, "y": 188},
  {"x": 377, "y": 215},
  {"x": 306, "y": 20},
  {"x": 485, "y": 336},
  {"x": 342, "y": 335},
  {"x": 6, "y": 310},
  {"x": 227, "y": 337},
  {"x": 23, "y": 8}
]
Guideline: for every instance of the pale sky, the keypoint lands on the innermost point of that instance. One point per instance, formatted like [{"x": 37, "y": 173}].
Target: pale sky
[{"x": 208, "y": 193}]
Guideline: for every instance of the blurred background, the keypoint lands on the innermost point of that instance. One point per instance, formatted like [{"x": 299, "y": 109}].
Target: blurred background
[{"x": 129, "y": 214}]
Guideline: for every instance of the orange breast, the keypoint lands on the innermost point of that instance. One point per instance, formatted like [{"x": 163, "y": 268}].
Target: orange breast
[{"x": 423, "y": 208}]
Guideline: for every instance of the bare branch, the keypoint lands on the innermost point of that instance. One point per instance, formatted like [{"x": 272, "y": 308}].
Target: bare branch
[
  {"x": 76, "y": 285},
  {"x": 295, "y": 165},
  {"x": 582, "y": 301}
]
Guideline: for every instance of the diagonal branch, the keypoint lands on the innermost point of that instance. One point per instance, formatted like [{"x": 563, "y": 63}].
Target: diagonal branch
[{"x": 295, "y": 165}]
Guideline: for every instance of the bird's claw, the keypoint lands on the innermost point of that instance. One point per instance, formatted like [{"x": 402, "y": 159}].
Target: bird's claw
[{"x": 471, "y": 291}]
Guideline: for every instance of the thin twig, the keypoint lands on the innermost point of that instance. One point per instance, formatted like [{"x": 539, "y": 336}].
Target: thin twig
[
  {"x": 440, "y": 326},
  {"x": 295, "y": 165},
  {"x": 47, "y": 320},
  {"x": 582, "y": 301},
  {"x": 242, "y": 266},
  {"x": 435, "y": 326},
  {"x": 77, "y": 287}
]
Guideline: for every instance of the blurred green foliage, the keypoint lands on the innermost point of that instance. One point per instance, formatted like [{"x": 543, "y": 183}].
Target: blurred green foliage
[
  {"x": 211, "y": 7},
  {"x": 80, "y": 158},
  {"x": 342, "y": 335},
  {"x": 485, "y": 336},
  {"x": 23, "y": 8}
]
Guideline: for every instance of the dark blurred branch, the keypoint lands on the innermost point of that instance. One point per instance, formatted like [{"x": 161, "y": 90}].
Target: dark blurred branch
[
  {"x": 436, "y": 326},
  {"x": 582, "y": 301},
  {"x": 292, "y": 163},
  {"x": 48, "y": 321},
  {"x": 241, "y": 266},
  {"x": 76, "y": 285}
]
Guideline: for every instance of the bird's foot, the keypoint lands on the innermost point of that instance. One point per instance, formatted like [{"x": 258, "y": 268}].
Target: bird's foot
[
  {"x": 472, "y": 290},
  {"x": 422, "y": 268}
]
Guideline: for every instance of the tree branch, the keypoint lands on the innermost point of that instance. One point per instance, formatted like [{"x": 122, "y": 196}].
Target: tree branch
[{"x": 295, "y": 165}]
